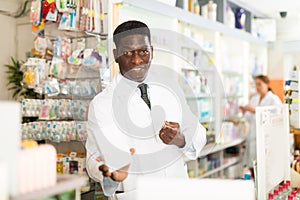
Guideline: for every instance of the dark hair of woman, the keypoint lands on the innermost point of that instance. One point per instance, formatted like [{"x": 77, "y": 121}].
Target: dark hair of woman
[{"x": 264, "y": 79}]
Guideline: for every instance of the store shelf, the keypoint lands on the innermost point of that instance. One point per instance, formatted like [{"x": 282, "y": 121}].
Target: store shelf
[
  {"x": 233, "y": 118},
  {"x": 213, "y": 148},
  {"x": 203, "y": 50},
  {"x": 206, "y": 120},
  {"x": 201, "y": 96},
  {"x": 64, "y": 184},
  {"x": 202, "y": 69},
  {"x": 232, "y": 73},
  {"x": 196, "y": 20},
  {"x": 222, "y": 167},
  {"x": 73, "y": 97},
  {"x": 233, "y": 96}
]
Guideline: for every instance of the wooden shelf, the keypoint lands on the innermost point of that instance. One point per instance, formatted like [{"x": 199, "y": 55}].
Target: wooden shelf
[{"x": 64, "y": 184}]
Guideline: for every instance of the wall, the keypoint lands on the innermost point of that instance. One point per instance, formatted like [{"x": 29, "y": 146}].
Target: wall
[
  {"x": 275, "y": 67},
  {"x": 24, "y": 37},
  {"x": 8, "y": 48},
  {"x": 283, "y": 54}
]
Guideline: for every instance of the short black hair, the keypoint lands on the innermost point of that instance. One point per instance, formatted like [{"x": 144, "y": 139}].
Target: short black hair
[{"x": 131, "y": 27}]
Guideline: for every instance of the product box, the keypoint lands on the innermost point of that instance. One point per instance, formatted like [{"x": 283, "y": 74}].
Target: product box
[
  {"x": 66, "y": 165},
  {"x": 294, "y": 86},
  {"x": 81, "y": 165}
]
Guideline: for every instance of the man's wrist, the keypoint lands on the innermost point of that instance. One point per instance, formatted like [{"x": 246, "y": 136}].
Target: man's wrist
[{"x": 180, "y": 141}]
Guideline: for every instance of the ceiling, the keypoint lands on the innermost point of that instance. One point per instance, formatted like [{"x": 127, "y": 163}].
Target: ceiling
[{"x": 271, "y": 8}]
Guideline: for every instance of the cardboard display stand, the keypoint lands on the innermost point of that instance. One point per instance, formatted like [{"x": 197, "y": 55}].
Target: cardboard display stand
[{"x": 272, "y": 137}]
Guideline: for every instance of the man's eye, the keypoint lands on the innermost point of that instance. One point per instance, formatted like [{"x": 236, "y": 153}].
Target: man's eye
[
  {"x": 144, "y": 52},
  {"x": 125, "y": 52}
]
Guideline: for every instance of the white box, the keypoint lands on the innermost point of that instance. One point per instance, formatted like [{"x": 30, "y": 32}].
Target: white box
[{"x": 10, "y": 134}]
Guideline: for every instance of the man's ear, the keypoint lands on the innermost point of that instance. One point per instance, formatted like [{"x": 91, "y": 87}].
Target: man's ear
[
  {"x": 115, "y": 52},
  {"x": 151, "y": 52}
]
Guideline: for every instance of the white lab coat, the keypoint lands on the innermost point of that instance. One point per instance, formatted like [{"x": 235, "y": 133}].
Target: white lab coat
[
  {"x": 268, "y": 100},
  {"x": 103, "y": 122}
]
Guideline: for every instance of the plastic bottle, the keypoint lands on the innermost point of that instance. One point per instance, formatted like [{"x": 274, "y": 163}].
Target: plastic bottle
[
  {"x": 230, "y": 20},
  {"x": 290, "y": 197},
  {"x": 298, "y": 193},
  {"x": 212, "y": 10},
  {"x": 294, "y": 193},
  {"x": 196, "y": 8},
  {"x": 288, "y": 182},
  {"x": 270, "y": 196},
  {"x": 276, "y": 197},
  {"x": 285, "y": 190},
  {"x": 281, "y": 193}
]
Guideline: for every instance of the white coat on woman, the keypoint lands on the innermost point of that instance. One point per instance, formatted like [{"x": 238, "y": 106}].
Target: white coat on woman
[{"x": 269, "y": 99}]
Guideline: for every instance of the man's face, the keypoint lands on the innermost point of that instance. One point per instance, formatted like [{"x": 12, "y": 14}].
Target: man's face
[{"x": 134, "y": 54}]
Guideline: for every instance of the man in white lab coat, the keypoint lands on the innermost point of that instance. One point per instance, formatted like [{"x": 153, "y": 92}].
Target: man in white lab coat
[{"x": 140, "y": 125}]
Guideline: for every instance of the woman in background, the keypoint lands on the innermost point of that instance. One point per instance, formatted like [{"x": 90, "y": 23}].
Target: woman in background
[{"x": 264, "y": 97}]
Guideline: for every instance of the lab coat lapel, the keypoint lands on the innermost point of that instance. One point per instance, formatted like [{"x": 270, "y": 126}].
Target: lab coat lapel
[{"x": 264, "y": 101}]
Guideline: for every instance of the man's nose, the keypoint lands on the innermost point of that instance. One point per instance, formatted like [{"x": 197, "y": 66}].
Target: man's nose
[{"x": 136, "y": 59}]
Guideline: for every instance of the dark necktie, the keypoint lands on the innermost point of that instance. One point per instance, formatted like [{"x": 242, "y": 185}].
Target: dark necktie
[{"x": 144, "y": 94}]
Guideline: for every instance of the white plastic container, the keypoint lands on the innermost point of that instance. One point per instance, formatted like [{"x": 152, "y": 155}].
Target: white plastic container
[
  {"x": 212, "y": 10},
  {"x": 3, "y": 181}
]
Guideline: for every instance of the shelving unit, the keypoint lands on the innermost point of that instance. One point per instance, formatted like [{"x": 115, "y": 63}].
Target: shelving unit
[
  {"x": 201, "y": 96},
  {"x": 222, "y": 167},
  {"x": 193, "y": 19},
  {"x": 213, "y": 148},
  {"x": 217, "y": 151},
  {"x": 65, "y": 183}
]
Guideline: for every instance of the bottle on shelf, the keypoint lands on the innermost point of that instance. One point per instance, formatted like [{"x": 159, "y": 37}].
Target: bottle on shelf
[
  {"x": 196, "y": 7},
  {"x": 294, "y": 193},
  {"x": 289, "y": 188},
  {"x": 281, "y": 193},
  {"x": 230, "y": 20},
  {"x": 204, "y": 11},
  {"x": 271, "y": 196},
  {"x": 212, "y": 10},
  {"x": 285, "y": 190},
  {"x": 276, "y": 195},
  {"x": 290, "y": 197},
  {"x": 190, "y": 6},
  {"x": 298, "y": 193}
]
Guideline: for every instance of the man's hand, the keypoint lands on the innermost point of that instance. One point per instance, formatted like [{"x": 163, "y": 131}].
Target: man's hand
[
  {"x": 118, "y": 175},
  {"x": 170, "y": 134}
]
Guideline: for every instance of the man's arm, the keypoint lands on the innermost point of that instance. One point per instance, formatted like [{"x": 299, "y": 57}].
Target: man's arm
[{"x": 109, "y": 186}]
